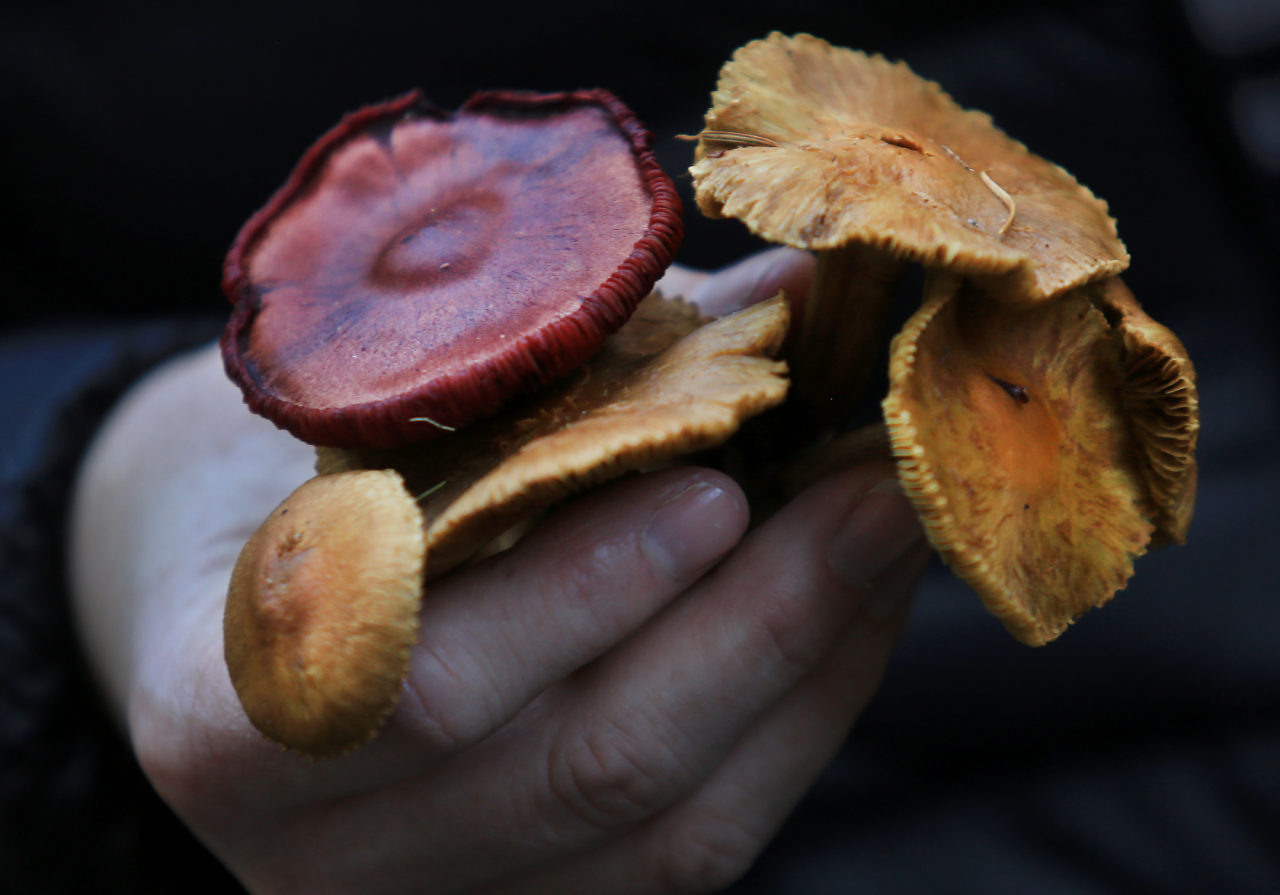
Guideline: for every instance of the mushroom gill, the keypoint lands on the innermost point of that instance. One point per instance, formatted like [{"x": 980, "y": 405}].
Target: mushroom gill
[
  {"x": 1162, "y": 404},
  {"x": 1039, "y": 446}
]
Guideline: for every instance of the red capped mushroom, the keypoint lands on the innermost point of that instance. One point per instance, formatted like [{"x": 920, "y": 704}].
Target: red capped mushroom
[{"x": 421, "y": 268}]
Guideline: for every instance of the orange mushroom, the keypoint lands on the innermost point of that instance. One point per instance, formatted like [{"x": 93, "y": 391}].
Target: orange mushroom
[
  {"x": 1033, "y": 444},
  {"x": 820, "y": 147},
  {"x": 322, "y": 611}
]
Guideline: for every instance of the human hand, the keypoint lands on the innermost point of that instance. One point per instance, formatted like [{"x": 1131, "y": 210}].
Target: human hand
[{"x": 630, "y": 700}]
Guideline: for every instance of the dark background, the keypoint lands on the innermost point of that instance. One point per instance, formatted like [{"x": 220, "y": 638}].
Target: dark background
[
  {"x": 135, "y": 140},
  {"x": 1141, "y": 752}
]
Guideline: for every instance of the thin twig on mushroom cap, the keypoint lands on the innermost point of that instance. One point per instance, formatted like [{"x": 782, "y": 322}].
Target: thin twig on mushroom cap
[{"x": 825, "y": 148}]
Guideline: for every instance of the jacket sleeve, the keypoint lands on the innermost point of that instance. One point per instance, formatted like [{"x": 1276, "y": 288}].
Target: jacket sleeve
[{"x": 77, "y": 813}]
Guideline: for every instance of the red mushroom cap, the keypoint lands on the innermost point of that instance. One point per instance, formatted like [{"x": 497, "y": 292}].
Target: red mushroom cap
[{"x": 421, "y": 268}]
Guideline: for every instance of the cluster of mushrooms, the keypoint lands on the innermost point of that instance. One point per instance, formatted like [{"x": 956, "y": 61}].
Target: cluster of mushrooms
[{"x": 456, "y": 308}]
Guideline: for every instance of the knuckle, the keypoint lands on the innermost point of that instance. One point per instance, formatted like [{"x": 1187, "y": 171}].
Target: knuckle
[
  {"x": 705, "y": 852},
  {"x": 786, "y": 641},
  {"x": 446, "y": 710},
  {"x": 589, "y": 574},
  {"x": 605, "y": 780},
  {"x": 594, "y": 593}
]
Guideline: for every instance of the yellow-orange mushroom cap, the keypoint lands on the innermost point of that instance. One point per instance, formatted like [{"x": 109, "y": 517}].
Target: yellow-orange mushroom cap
[
  {"x": 818, "y": 147},
  {"x": 1013, "y": 441},
  {"x": 322, "y": 611}
]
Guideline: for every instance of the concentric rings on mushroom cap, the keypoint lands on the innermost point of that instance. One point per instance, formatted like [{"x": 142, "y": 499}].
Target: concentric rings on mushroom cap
[
  {"x": 818, "y": 146},
  {"x": 421, "y": 268},
  {"x": 322, "y": 611}
]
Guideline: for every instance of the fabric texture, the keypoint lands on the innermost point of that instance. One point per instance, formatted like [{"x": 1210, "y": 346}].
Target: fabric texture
[{"x": 76, "y": 813}]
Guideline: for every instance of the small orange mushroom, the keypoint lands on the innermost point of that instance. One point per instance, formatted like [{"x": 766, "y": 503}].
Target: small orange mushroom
[
  {"x": 820, "y": 147},
  {"x": 322, "y": 611}
]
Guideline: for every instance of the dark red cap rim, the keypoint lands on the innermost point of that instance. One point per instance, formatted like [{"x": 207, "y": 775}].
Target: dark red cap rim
[{"x": 529, "y": 362}]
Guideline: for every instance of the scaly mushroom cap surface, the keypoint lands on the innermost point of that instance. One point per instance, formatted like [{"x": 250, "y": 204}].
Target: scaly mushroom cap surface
[
  {"x": 818, "y": 147},
  {"x": 662, "y": 386},
  {"x": 322, "y": 611},
  {"x": 1013, "y": 441},
  {"x": 421, "y": 268},
  {"x": 1163, "y": 407}
]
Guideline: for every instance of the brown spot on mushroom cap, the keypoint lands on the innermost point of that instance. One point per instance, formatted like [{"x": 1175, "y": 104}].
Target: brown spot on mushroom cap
[
  {"x": 653, "y": 393},
  {"x": 1163, "y": 406},
  {"x": 421, "y": 266},
  {"x": 859, "y": 149},
  {"x": 322, "y": 611},
  {"x": 1036, "y": 503}
]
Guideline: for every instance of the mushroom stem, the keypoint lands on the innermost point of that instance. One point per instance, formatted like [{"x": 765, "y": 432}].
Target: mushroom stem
[
  {"x": 835, "y": 345},
  {"x": 866, "y": 444}
]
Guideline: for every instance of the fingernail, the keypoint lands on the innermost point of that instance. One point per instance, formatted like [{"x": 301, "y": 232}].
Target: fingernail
[
  {"x": 880, "y": 529},
  {"x": 692, "y": 529}
]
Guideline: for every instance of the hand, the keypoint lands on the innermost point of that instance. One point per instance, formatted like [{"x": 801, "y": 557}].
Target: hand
[{"x": 630, "y": 700}]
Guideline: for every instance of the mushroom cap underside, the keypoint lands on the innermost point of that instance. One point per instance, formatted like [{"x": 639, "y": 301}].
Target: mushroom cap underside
[
  {"x": 1014, "y": 442},
  {"x": 1162, "y": 404}
]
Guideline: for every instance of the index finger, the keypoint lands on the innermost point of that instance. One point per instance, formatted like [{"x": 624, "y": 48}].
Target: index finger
[{"x": 751, "y": 280}]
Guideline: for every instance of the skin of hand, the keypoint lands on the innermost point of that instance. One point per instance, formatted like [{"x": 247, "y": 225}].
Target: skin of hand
[{"x": 632, "y": 699}]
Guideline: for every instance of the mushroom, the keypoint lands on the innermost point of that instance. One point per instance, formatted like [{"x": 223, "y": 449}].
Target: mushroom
[
  {"x": 820, "y": 147},
  {"x": 1044, "y": 426},
  {"x": 419, "y": 269},
  {"x": 1042, "y": 445},
  {"x": 307, "y": 609},
  {"x": 322, "y": 611}
]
